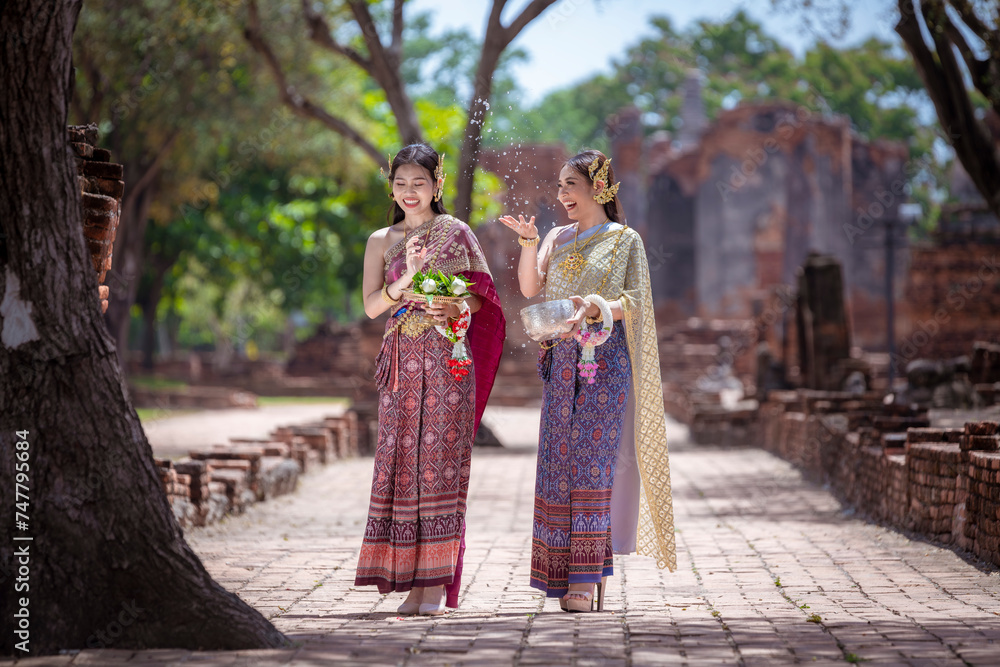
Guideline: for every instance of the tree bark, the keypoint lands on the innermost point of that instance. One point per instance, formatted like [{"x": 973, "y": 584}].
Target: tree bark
[
  {"x": 940, "y": 71},
  {"x": 106, "y": 563}
]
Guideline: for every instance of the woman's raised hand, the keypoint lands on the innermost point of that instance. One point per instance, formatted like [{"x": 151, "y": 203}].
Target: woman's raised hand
[
  {"x": 524, "y": 228},
  {"x": 415, "y": 255}
]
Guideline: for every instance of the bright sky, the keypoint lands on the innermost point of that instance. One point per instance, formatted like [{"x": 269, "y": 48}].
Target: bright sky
[{"x": 575, "y": 39}]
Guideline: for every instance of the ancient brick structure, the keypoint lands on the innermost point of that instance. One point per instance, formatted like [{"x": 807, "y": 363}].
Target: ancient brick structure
[
  {"x": 226, "y": 479},
  {"x": 886, "y": 461},
  {"x": 824, "y": 334},
  {"x": 101, "y": 190},
  {"x": 954, "y": 296},
  {"x": 737, "y": 212}
]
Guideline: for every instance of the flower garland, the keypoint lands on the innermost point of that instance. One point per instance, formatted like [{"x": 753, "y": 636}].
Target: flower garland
[
  {"x": 590, "y": 339},
  {"x": 434, "y": 284},
  {"x": 455, "y": 331}
]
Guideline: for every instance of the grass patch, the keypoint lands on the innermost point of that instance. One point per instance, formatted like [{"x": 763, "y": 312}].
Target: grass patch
[
  {"x": 150, "y": 382},
  {"x": 302, "y": 400},
  {"x": 148, "y": 415}
]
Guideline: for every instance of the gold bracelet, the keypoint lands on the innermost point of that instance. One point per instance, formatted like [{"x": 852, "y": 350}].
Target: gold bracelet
[
  {"x": 388, "y": 299},
  {"x": 527, "y": 243}
]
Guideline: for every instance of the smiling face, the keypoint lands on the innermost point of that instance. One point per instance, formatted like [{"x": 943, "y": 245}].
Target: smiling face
[
  {"x": 413, "y": 190},
  {"x": 576, "y": 194}
]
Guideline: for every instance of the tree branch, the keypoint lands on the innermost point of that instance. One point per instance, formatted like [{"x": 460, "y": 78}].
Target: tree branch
[
  {"x": 154, "y": 167},
  {"x": 527, "y": 15},
  {"x": 977, "y": 68},
  {"x": 985, "y": 73},
  {"x": 319, "y": 32},
  {"x": 291, "y": 98},
  {"x": 942, "y": 77},
  {"x": 369, "y": 31},
  {"x": 385, "y": 71},
  {"x": 968, "y": 14},
  {"x": 497, "y": 39},
  {"x": 396, "y": 48}
]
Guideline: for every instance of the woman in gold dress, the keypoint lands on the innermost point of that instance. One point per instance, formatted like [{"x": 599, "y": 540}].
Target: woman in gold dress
[{"x": 603, "y": 478}]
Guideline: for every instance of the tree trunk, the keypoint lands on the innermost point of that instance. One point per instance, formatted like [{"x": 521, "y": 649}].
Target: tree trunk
[
  {"x": 124, "y": 277},
  {"x": 482, "y": 90},
  {"x": 497, "y": 38},
  {"x": 149, "y": 307},
  {"x": 96, "y": 556}
]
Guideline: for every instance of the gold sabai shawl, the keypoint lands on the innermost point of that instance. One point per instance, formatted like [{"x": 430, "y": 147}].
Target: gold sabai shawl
[{"x": 642, "y": 514}]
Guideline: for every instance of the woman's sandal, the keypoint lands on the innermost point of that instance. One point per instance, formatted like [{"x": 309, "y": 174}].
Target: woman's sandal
[
  {"x": 431, "y": 609},
  {"x": 410, "y": 608},
  {"x": 587, "y": 601}
]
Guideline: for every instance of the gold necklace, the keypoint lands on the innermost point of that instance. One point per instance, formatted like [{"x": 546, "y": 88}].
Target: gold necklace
[
  {"x": 573, "y": 264},
  {"x": 614, "y": 255}
]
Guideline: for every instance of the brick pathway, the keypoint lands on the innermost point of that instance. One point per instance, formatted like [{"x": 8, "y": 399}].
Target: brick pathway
[{"x": 770, "y": 572}]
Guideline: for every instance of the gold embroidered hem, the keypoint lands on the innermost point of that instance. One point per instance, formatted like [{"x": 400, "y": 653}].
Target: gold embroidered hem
[{"x": 617, "y": 269}]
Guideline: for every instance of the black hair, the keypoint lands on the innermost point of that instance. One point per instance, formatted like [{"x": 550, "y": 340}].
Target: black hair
[
  {"x": 581, "y": 164},
  {"x": 419, "y": 154}
]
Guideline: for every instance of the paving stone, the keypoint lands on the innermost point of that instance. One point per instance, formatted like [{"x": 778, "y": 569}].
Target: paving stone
[{"x": 744, "y": 519}]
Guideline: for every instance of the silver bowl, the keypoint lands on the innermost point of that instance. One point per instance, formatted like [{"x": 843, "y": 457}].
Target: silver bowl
[{"x": 546, "y": 320}]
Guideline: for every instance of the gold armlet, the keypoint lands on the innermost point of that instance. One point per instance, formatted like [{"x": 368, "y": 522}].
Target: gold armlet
[
  {"x": 527, "y": 243},
  {"x": 388, "y": 299}
]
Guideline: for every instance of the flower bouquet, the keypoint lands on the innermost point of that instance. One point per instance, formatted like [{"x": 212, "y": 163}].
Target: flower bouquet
[{"x": 436, "y": 286}]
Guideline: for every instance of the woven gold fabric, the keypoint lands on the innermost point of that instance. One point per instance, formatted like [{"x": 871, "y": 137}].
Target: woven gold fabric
[
  {"x": 616, "y": 268},
  {"x": 448, "y": 248}
]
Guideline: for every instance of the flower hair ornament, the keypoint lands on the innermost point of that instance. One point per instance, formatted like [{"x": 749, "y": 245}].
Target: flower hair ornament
[
  {"x": 599, "y": 173},
  {"x": 590, "y": 339},
  {"x": 439, "y": 179}
]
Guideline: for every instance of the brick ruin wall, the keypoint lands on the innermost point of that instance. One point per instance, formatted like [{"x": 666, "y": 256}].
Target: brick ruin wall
[
  {"x": 101, "y": 191},
  {"x": 942, "y": 483}
]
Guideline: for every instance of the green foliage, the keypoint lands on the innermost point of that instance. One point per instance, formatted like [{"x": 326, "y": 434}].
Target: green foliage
[
  {"x": 875, "y": 85},
  {"x": 275, "y": 242},
  {"x": 260, "y": 216}
]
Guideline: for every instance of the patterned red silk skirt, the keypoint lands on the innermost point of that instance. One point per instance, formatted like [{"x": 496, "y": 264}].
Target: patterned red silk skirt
[
  {"x": 577, "y": 451},
  {"x": 416, "y": 518}
]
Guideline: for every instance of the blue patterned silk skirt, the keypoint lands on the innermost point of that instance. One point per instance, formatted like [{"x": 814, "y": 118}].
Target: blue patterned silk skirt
[{"x": 578, "y": 446}]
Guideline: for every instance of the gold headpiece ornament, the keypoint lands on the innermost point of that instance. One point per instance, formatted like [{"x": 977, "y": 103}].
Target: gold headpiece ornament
[
  {"x": 439, "y": 179},
  {"x": 599, "y": 172},
  {"x": 381, "y": 169},
  {"x": 387, "y": 174}
]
